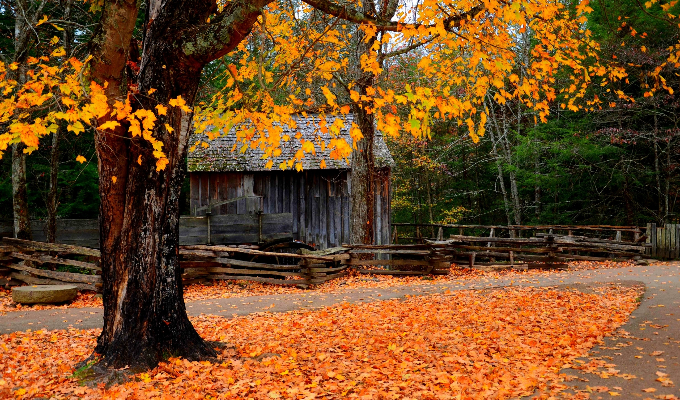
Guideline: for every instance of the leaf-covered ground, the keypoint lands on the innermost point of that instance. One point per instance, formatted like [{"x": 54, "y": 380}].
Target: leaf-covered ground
[
  {"x": 229, "y": 289},
  {"x": 492, "y": 344}
]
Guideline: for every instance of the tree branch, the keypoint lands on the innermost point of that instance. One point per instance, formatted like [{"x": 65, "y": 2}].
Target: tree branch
[
  {"x": 211, "y": 40},
  {"x": 406, "y": 49},
  {"x": 358, "y": 17}
]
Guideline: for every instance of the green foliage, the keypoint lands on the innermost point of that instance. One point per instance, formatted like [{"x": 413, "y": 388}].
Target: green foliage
[{"x": 78, "y": 183}]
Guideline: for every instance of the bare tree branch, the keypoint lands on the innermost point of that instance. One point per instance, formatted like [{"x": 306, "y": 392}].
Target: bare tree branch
[{"x": 358, "y": 17}]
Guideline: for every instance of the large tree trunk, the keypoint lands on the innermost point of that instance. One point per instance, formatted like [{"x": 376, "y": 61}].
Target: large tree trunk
[
  {"x": 145, "y": 318},
  {"x": 144, "y": 314}
]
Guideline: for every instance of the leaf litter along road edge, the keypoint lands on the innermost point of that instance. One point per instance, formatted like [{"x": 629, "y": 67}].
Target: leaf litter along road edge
[
  {"x": 495, "y": 343},
  {"x": 231, "y": 289}
]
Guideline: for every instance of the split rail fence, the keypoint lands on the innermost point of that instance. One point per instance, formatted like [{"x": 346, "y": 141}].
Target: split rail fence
[{"x": 33, "y": 263}]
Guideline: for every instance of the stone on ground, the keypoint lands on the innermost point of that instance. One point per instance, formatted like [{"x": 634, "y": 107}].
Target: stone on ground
[{"x": 44, "y": 294}]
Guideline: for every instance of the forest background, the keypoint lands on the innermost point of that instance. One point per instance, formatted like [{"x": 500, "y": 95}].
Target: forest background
[{"x": 616, "y": 165}]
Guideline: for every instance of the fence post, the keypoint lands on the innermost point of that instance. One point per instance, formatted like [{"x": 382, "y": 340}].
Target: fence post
[
  {"x": 677, "y": 240},
  {"x": 618, "y": 236},
  {"x": 306, "y": 270},
  {"x": 207, "y": 215},
  {"x": 440, "y": 234}
]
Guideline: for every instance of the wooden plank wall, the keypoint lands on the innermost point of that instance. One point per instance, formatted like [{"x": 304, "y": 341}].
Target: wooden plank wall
[
  {"x": 79, "y": 232},
  {"x": 318, "y": 199},
  {"x": 235, "y": 228},
  {"x": 664, "y": 241}
]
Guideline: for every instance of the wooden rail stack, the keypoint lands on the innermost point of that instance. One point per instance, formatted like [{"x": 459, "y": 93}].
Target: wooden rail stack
[
  {"x": 407, "y": 232},
  {"x": 39, "y": 263},
  {"x": 395, "y": 259},
  {"x": 544, "y": 250}
]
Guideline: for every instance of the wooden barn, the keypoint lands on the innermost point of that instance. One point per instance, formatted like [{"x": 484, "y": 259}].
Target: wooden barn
[{"x": 312, "y": 205}]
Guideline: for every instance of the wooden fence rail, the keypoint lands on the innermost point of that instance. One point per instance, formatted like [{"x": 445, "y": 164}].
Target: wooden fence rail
[
  {"x": 36, "y": 263},
  {"x": 437, "y": 231},
  {"x": 542, "y": 251}
]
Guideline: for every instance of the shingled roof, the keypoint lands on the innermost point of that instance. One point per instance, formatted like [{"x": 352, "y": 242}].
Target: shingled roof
[{"x": 219, "y": 157}]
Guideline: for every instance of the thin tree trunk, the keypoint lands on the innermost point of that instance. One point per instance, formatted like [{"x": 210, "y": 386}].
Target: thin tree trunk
[
  {"x": 537, "y": 187},
  {"x": 22, "y": 223},
  {"x": 499, "y": 166},
  {"x": 514, "y": 193},
  {"x": 667, "y": 190},
  {"x": 657, "y": 172},
  {"x": 363, "y": 181},
  {"x": 429, "y": 201},
  {"x": 53, "y": 194},
  {"x": 22, "y": 39},
  {"x": 363, "y": 159}
]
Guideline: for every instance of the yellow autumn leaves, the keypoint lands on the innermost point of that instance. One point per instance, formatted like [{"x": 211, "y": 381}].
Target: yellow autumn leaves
[
  {"x": 468, "y": 51},
  {"x": 74, "y": 101},
  {"x": 45, "y": 86}
]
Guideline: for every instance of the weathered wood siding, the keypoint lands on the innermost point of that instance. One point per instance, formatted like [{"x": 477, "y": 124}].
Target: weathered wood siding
[
  {"x": 235, "y": 228},
  {"x": 80, "y": 232},
  {"x": 664, "y": 241},
  {"x": 318, "y": 200}
]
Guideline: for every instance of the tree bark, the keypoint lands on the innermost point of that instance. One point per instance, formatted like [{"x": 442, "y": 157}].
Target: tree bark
[
  {"x": 53, "y": 194},
  {"x": 24, "y": 20},
  {"x": 657, "y": 172},
  {"x": 514, "y": 192},
  {"x": 145, "y": 318},
  {"x": 363, "y": 180},
  {"x": 495, "y": 130},
  {"x": 363, "y": 158},
  {"x": 22, "y": 223}
]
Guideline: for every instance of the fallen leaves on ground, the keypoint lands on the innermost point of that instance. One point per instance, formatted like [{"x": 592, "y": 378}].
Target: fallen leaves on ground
[
  {"x": 229, "y": 289},
  {"x": 84, "y": 299},
  {"x": 497, "y": 344}
]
